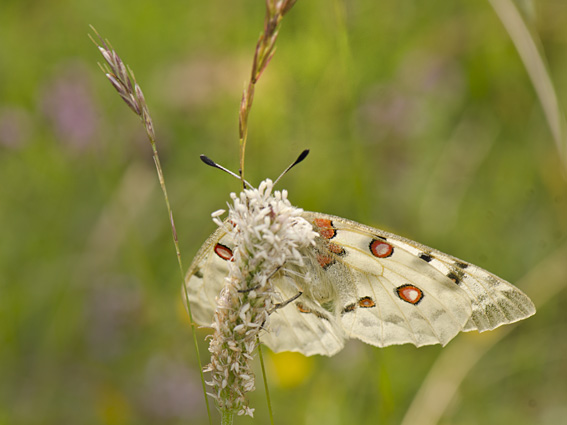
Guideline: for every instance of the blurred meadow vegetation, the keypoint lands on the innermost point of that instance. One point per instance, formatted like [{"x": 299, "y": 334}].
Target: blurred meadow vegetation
[{"x": 422, "y": 120}]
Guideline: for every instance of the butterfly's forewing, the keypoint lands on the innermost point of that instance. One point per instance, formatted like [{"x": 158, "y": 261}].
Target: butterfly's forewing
[
  {"x": 448, "y": 293},
  {"x": 494, "y": 301},
  {"x": 387, "y": 295}
]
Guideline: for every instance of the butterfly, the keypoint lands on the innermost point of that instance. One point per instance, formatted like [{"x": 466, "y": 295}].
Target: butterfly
[{"x": 367, "y": 284}]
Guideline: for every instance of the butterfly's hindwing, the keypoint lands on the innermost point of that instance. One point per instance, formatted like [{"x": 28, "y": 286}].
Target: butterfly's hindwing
[{"x": 304, "y": 325}]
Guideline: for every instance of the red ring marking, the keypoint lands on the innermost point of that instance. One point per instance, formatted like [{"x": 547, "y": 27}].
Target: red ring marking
[
  {"x": 366, "y": 302},
  {"x": 381, "y": 249},
  {"x": 410, "y": 293},
  {"x": 223, "y": 252}
]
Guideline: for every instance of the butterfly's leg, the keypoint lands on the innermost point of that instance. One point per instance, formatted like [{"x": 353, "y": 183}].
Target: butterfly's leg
[
  {"x": 286, "y": 302},
  {"x": 283, "y": 304},
  {"x": 244, "y": 291}
]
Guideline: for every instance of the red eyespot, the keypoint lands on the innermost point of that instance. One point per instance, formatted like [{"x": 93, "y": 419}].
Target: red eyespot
[
  {"x": 366, "y": 302},
  {"x": 410, "y": 293},
  {"x": 381, "y": 249},
  {"x": 223, "y": 251}
]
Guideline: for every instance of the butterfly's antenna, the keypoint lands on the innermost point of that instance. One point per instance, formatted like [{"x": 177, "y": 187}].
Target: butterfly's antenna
[
  {"x": 213, "y": 164},
  {"x": 300, "y": 158}
]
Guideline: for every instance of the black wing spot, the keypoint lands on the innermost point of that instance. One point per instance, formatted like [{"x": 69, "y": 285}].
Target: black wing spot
[
  {"x": 349, "y": 308},
  {"x": 456, "y": 276},
  {"x": 461, "y": 264},
  {"x": 198, "y": 274},
  {"x": 425, "y": 257}
]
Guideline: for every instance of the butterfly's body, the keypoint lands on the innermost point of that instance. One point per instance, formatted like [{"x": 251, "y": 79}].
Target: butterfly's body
[{"x": 361, "y": 282}]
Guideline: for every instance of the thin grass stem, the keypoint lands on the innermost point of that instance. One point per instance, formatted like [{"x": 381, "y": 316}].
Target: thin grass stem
[
  {"x": 265, "y": 49},
  {"x": 268, "y": 400},
  {"x": 534, "y": 62},
  {"x": 124, "y": 81}
]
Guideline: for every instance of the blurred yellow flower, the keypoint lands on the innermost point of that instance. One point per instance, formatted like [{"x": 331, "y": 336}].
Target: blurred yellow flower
[{"x": 290, "y": 369}]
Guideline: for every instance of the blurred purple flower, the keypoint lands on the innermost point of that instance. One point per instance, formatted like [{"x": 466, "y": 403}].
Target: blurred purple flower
[
  {"x": 68, "y": 104},
  {"x": 171, "y": 390},
  {"x": 113, "y": 311}
]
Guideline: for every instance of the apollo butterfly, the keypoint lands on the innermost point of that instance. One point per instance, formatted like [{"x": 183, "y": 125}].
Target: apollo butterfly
[{"x": 364, "y": 283}]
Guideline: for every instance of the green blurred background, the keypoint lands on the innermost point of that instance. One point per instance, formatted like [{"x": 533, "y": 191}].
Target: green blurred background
[{"x": 421, "y": 120}]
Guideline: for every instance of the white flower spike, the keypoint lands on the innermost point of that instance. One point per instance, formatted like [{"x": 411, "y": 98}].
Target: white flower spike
[{"x": 268, "y": 234}]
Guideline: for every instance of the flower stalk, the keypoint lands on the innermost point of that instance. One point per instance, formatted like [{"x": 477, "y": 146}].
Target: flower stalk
[
  {"x": 124, "y": 82},
  {"x": 265, "y": 49}
]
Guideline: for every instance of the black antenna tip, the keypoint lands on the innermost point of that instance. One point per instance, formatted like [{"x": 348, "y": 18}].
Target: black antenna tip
[
  {"x": 302, "y": 156},
  {"x": 208, "y": 160}
]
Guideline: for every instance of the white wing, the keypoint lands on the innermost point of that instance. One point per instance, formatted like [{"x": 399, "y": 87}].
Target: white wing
[{"x": 455, "y": 295}]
